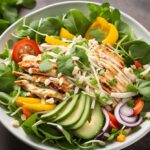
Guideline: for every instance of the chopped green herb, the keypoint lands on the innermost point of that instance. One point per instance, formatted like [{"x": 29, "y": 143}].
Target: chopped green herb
[
  {"x": 45, "y": 66},
  {"x": 97, "y": 34},
  {"x": 93, "y": 81},
  {"x": 112, "y": 82},
  {"x": 130, "y": 103},
  {"x": 65, "y": 65},
  {"x": 131, "y": 88}
]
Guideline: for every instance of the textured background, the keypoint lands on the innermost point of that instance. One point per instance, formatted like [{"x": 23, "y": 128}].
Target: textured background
[{"x": 138, "y": 9}]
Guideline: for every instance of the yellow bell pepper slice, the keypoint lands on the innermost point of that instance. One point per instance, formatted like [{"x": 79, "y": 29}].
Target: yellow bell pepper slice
[
  {"x": 109, "y": 30},
  {"x": 53, "y": 41},
  {"x": 39, "y": 107},
  {"x": 64, "y": 33},
  {"x": 21, "y": 100}
]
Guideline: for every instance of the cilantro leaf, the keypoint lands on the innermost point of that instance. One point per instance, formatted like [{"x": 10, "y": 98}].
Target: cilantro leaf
[
  {"x": 112, "y": 82},
  {"x": 65, "y": 65},
  {"x": 97, "y": 34},
  {"x": 45, "y": 66},
  {"x": 79, "y": 52}
]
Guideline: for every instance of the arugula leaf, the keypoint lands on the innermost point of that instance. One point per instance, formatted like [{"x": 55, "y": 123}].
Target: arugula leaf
[
  {"x": 27, "y": 125},
  {"x": 65, "y": 65},
  {"x": 97, "y": 34},
  {"x": 45, "y": 66},
  {"x": 76, "y": 22}
]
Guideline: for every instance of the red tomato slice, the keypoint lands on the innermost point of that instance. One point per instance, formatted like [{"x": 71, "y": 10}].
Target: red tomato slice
[
  {"x": 113, "y": 121},
  {"x": 138, "y": 64},
  {"x": 139, "y": 104},
  {"x": 25, "y": 46}
]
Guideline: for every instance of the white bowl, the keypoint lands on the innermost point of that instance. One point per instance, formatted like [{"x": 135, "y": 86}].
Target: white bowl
[{"x": 53, "y": 10}]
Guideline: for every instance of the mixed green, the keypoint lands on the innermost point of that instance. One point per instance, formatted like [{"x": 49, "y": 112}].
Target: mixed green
[
  {"x": 76, "y": 81},
  {"x": 9, "y": 11}
]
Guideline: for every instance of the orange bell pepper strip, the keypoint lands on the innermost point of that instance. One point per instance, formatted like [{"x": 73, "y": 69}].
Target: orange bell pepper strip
[
  {"x": 21, "y": 100},
  {"x": 39, "y": 107},
  {"x": 26, "y": 112},
  {"x": 53, "y": 41},
  {"x": 139, "y": 104},
  {"x": 64, "y": 33},
  {"x": 109, "y": 30}
]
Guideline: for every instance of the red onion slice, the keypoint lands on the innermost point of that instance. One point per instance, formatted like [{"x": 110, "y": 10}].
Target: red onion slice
[
  {"x": 107, "y": 120},
  {"x": 126, "y": 110},
  {"x": 129, "y": 119},
  {"x": 121, "y": 121}
]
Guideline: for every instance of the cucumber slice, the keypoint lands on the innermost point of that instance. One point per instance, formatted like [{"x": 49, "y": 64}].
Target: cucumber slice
[
  {"x": 67, "y": 109},
  {"x": 84, "y": 116},
  {"x": 48, "y": 116},
  {"x": 75, "y": 115},
  {"x": 92, "y": 128}
]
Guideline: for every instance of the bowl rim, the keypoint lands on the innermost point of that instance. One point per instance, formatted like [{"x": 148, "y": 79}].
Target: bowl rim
[{"x": 140, "y": 133}]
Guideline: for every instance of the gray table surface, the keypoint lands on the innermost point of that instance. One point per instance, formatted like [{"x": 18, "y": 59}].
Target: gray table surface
[{"x": 138, "y": 9}]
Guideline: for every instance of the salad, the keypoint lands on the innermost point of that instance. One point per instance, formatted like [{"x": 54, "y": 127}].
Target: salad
[{"x": 76, "y": 81}]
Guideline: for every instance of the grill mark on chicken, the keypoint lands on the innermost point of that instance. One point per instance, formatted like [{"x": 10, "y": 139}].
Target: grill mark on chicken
[
  {"x": 42, "y": 79},
  {"x": 32, "y": 67},
  {"x": 40, "y": 92},
  {"x": 114, "y": 69}
]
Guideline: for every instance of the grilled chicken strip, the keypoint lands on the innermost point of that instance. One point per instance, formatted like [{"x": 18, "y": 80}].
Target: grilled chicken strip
[
  {"x": 31, "y": 65},
  {"x": 61, "y": 85},
  {"x": 40, "y": 92},
  {"x": 114, "y": 69}
]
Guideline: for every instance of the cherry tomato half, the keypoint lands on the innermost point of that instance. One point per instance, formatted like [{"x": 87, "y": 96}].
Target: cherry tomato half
[
  {"x": 138, "y": 64},
  {"x": 25, "y": 46}
]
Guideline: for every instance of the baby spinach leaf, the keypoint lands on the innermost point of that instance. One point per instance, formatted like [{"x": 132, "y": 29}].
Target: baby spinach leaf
[
  {"x": 76, "y": 22},
  {"x": 3, "y": 25},
  {"x": 50, "y": 25},
  {"x": 27, "y": 125},
  {"x": 63, "y": 131},
  {"x": 26, "y": 3},
  {"x": 6, "y": 79},
  {"x": 97, "y": 34},
  {"x": 10, "y": 13},
  {"x": 124, "y": 29},
  {"x": 139, "y": 50},
  {"x": 45, "y": 66},
  {"x": 64, "y": 144},
  {"x": 65, "y": 65},
  {"x": 144, "y": 87}
]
